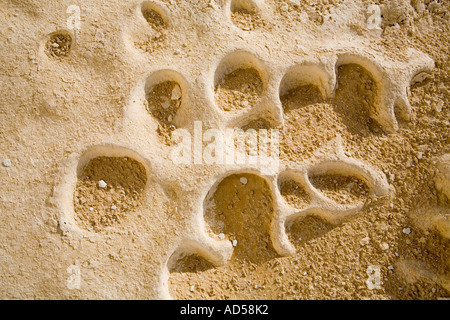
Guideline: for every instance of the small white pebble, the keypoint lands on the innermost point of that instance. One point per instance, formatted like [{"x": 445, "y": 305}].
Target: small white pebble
[
  {"x": 384, "y": 246},
  {"x": 283, "y": 272},
  {"x": 234, "y": 242},
  {"x": 391, "y": 267},
  {"x": 364, "y": 241},
  {"x": 221, "y": 236},
  {"x": 165, "y": 104},
  {"x": 244, "y": 180},
  {"x": 102, "y": 184},
  {"x": 256, "y": 286},
  {"x": 7, "y": 163},
  {"x": 91, "y": 209},
  {"x": 55, "y": 45},
  {"x": 407, "y": 230},
  {"x": 176, "y": 93},
  {"x": 170, "y": 118},
  {"x": 191, "y": 288},
  {"x": 113, "y": 207},
  {"x": 305, "y": 273}
]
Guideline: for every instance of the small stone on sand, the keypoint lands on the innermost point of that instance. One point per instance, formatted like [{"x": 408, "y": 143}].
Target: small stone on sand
[{"x": 7, "y": 163}]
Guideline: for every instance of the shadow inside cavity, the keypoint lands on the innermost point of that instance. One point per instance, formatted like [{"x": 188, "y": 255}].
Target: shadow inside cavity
[
  {"x": 294, "y": 193},
  {"x": 354, "y": 99},
  {"x": 343, "y": 189},
  {"x": 303, "y": 230},
  {"x": 240, "y": 89},
  {"x": 301, "y": 96},
  {"x": 242, "y": 209},
  {"x": 98, "y": 206},
  {"x": 190, "y": 263}
]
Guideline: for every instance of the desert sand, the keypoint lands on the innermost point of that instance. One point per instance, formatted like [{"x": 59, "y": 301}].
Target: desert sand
[{"x": 94, "y": 93}]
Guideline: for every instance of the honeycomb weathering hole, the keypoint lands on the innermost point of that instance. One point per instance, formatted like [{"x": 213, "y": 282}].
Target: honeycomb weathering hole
[
  {"x": 108, "y": 188},
  {"x": 260, "y": 123},
  {"x": 245, "y": 15},
  {"x": 154, "y": 15},
  {"x": 241, "y": 209},
  {"x": 356, "y": 97},
  {"x": 239, "y": 89},
  {"x": 164, "y": 96},
  {"x": 356, "y": 89},
  {"x": 188, "y": 263},
  {"x": 304, "y": 75},
  {"x": 59, "y": 44},
  {"x": 303, "y": 85}
]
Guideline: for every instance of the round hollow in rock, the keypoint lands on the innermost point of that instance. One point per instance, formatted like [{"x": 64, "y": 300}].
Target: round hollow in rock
[
  {"x": 59, "y": 44},
  {"x": 304, "y": 229},
  {"x": 155, "y": 15},
  {"x": 243, "y": 212},
  {"x": 294, "y": 193},
  {"x": 239, "y": 81},
  {"x": 98, "y": 207},
  {"x": 341, "y": 189}
]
